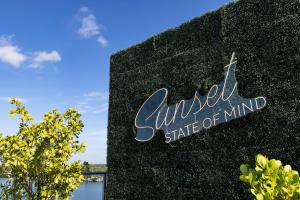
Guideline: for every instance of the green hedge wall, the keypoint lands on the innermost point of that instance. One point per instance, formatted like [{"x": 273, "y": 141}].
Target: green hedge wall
[{"x": 265, "y": 34}]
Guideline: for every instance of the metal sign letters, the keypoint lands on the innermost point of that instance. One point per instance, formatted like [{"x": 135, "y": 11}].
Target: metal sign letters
[{"x": 221, "y": 104}]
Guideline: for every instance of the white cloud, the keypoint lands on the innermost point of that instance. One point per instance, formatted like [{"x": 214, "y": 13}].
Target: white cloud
[
  {"x": 93, "y": 102},
  {"x": 89, "y": 27},
  {"x": 5, "y": 40},
  {"x": 40, "y": 57},
  {"x": 84, "y": 9},
  {"x": 10, "y": 53},
  {"x": 83, "y": 107},
  {"x": 8, "y": 99},
  {"x": 102, "y": 108},
  {"x": 95, "y": 94},
  {"x": 103, "y": 41},
  {"x": 13, "y": 55},
  {"x": 92, "y": 94}
]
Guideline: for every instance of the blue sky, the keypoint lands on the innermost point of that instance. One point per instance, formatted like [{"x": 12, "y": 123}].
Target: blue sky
[{"x": 55, "y": 54}]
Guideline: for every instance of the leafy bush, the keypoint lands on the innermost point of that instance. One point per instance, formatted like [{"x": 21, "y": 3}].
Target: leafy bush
[
  {"x": 269, "y": 180},
  {"x": 36, "y": 160}
]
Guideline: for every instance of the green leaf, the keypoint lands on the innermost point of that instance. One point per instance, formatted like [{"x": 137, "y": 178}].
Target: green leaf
[
  {"x": 244, "y": 178},
  {"x": 261, "y": 161},
  {"x": 250, "y": 177},
  {"x": 259, "y": 197},
  {"x": 244, "y": 169},
  {"x": 269, "y": 180},
  {"x": 287, "y": 168}
]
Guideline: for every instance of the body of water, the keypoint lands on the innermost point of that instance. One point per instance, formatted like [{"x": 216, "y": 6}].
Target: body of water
[
  {"x": 86, "y": 191},
  {"x": 89, "y": 191}
]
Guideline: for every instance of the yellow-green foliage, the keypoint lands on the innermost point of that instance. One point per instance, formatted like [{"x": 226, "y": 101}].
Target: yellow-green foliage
[
  {"x": 269, "y": 180},
  {"x": 36, "y": 159}
]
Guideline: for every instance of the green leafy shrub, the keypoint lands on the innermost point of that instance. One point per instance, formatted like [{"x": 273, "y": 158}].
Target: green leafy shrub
[
  {"x": 269, "y": 180},
  {"x": 36, "y": 160}
]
